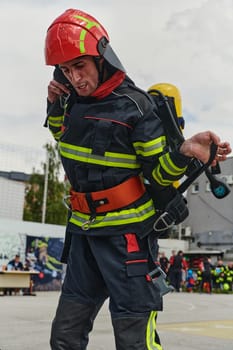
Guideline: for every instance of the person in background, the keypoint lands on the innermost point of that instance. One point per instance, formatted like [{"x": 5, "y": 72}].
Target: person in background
[
  {"x": 14, "y": 265},
  {"x": 206, "y": 275},
  {"x": 176, "y": 274},
  {"x": 170, "y": 266},
  {"x": 164, "y": 262},
  {"x": 171, "y": 259},
  {"x": 110, "y": 141},
  {"x": 229, "y": 275},
  {"x": 219, "y": 275},
  {"x": 27, "y": 265},
  {"x": 190, "y": 281}
]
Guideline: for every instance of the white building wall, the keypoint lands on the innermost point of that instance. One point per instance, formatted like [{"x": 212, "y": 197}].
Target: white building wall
[
  {"x": 11, "y": 199},
  {"x": 167, "y": 245},
  {"x": 13, "y": 236},
  {"x": 208, "y": 213}
]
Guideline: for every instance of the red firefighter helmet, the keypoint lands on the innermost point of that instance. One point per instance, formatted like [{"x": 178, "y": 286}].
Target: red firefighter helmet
[{"x": 75, "y": 33}]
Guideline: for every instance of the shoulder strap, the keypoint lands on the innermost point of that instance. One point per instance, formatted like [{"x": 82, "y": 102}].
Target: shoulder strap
[{"x": 174, "y": 134}]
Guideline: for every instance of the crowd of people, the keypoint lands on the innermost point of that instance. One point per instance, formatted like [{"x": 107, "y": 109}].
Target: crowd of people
[
  {"x": 215, "y": 277},
  {"x": 208, "y": 277}
]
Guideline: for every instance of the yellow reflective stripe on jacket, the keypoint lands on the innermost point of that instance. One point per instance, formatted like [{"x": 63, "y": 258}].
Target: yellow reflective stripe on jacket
[
  {"x": 56, "y": 121},
  {"x": 57, "y": 135},
  {"x": 83, "y": 154},
  {"x": 122, "y": 217},
  {"x": 150, "y": 333},
  {"x": 150, "y": 148},
  {"x": 159, "y": 178},
  {"x": 168, "y": 165}
]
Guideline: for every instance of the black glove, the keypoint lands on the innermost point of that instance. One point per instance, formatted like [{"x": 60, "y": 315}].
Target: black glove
[{"x": 174, "y": 213}]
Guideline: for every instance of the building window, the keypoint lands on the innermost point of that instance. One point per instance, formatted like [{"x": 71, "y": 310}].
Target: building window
[
  {"x": 195, "y": 187},
  {"x": 227, "y": 179},
  {"x": 208, "y": 188}
]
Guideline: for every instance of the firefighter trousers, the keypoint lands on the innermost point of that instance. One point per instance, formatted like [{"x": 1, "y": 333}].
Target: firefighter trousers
[{"x": 113, "y": 267}]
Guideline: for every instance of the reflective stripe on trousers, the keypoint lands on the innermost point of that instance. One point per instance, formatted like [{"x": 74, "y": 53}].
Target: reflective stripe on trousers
[
  {"x": 74, "y": 321},
  {"x": 136, "y": 333}
]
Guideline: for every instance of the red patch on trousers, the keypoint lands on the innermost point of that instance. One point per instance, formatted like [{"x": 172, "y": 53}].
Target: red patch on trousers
[{"x": 132, "y": 243}]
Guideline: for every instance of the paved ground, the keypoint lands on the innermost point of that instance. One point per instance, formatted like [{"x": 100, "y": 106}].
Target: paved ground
[{"x": 189, "y": 322}]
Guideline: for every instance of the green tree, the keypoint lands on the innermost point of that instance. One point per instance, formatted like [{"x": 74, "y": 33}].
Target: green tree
[{"x": 55, "y": 213}]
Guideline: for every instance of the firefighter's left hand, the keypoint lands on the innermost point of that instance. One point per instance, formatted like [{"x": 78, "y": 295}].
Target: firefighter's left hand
[
  {"x": 198, "y": 146},
  {"x": 56, "y": 89}
]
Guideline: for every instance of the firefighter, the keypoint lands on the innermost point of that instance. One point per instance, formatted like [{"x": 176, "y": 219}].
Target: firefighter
[
  {"x": 229, "y": 275},
  {"x": 219, "y": 275},
  {"x": 110, "y": 140},
  {"x": 205, "y": 272}
]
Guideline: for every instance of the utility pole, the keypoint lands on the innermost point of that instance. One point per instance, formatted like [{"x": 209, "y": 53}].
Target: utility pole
[
  {"x": 46, "y": 175},
  {"x": 180, "y": 231}
]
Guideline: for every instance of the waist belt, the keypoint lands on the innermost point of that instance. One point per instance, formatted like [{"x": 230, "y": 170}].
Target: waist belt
[{"x": 108, "y": 200}]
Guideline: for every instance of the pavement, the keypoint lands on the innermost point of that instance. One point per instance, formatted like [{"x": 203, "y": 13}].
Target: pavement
[{"x": 189, "y": 321}]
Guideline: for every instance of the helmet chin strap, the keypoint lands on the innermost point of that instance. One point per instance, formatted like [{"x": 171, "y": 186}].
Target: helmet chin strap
[
  {"x": 105, "y": 69},
  {"x": 100, "y": 65}
]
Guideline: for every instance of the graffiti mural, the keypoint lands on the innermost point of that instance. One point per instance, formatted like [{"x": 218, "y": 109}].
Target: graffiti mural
[{"x": 43, "y": 254}]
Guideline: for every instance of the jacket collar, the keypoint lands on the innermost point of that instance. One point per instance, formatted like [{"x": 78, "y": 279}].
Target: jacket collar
[{"x": 109, "y": 85}]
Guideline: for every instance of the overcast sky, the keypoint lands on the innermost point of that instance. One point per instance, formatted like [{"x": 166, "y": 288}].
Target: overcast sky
[{"x": 184, "y": 42}]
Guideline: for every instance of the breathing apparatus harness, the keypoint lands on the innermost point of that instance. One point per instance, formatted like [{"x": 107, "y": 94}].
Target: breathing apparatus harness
[{"x": 176, "y": 209}]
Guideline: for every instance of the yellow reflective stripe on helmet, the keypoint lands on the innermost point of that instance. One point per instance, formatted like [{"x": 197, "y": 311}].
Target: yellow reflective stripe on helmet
[
  {"x": 150, "y": 333},
  {"x": 122, "y": 217},
  {"x": 83, "y": 154},
  {"x": 168, "y": 165},
  {"x": 150, "y": 148},
  {"x": 83, "y": 33},
  {"x": 159, "y": 178}
]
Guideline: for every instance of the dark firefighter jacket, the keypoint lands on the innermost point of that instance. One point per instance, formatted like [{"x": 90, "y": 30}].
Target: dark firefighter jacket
[{"x": 102, "y": 143}]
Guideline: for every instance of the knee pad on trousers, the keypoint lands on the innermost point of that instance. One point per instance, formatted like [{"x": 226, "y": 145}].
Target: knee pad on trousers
[
  {"x": 136, "y": 333},
  {"x": 72, "y": 324},
  {"x": 130, "y": 333}
]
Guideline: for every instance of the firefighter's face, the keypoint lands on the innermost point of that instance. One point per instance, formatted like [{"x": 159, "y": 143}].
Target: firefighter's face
[{"x": 82, "y": 74}]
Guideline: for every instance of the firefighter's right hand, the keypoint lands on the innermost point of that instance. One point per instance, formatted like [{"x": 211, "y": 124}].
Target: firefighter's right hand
[
  {"x": 198, "y": 146},
  {"x": 55, "y": 90}
]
